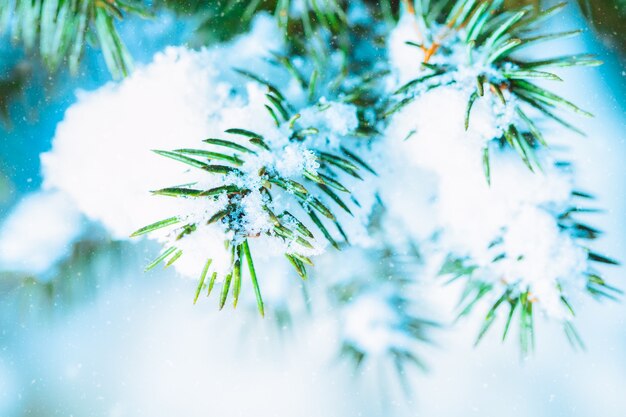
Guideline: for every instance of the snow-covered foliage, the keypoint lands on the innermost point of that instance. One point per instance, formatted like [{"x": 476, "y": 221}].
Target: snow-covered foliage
[
  {"x": 263, "y": 192},
  {"x": 101, "y": 151},
  {"x": 269, "y": 147},
  {"x": 482, "y": 221},
  {"x": 379, "y": 304},
  {"x": 504, "y": 221}
]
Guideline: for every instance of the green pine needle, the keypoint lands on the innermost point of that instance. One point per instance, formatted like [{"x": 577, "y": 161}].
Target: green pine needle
[
  {"x": 156, "y": 226},
  {"x": 202, "y": 279},
  {"x": 160, "y": 258},
  {"x": 253, "y": 278}
]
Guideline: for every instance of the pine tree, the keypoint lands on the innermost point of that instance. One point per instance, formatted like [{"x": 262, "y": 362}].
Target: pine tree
[{"x": 314, "y": 135}]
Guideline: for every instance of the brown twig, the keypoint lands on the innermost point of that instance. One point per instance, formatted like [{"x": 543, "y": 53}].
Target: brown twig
[{"x": 431, "y": 51}]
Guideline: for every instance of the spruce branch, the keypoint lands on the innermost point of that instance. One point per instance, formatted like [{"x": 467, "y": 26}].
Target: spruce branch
[
  {"x": 245, "y": 170},
  {"x": 389, "y": 328},
  {"x": 491, "y": 37},
  {"x": 222, "y": 20},
  {"x": 520, "y": 302},
  {"x": 58, "y": 30}
]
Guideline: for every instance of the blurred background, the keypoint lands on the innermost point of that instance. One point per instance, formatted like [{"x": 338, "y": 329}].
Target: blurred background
[{"x": 95, "y": 336}]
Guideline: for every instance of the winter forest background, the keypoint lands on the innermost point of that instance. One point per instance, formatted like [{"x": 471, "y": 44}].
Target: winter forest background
[{"x": 84, "y": 331}]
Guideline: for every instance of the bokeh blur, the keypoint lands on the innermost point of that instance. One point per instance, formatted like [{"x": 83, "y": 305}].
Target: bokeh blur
[{"x": 96, "y": 336}]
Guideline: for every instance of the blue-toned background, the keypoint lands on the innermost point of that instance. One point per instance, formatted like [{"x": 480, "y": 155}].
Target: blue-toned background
[{"x": 124, "y": 343}]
